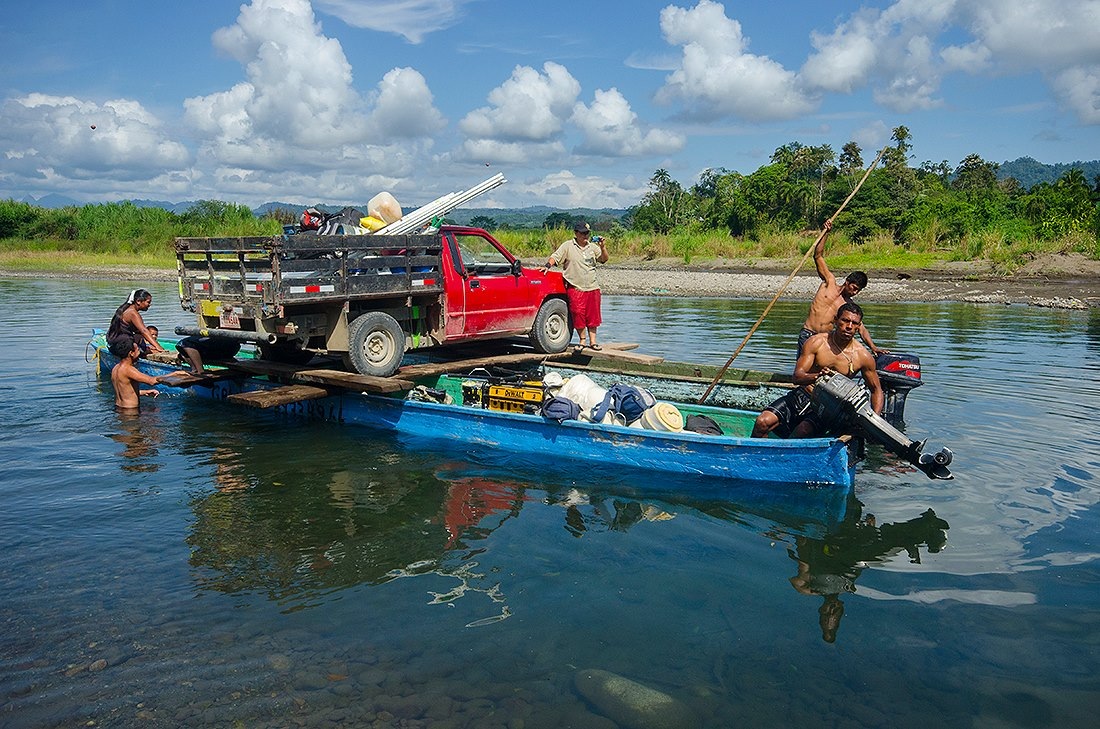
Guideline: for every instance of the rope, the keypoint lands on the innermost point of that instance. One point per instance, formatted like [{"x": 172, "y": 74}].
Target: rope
[{"x": 783, "y": 288}]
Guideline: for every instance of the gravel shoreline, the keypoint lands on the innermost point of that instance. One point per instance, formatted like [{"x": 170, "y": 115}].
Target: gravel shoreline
[{"x": 1070, "y": 284}]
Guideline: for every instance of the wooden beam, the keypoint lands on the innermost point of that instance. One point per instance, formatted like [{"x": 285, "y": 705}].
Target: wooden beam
[
  {"x": 431, "y": 369},
  {"x": 354, "y": 380},
  {"x": 607, "y": 351},
  {"x": 280, "y": 396},
  {"x": 333, "y": 378}
]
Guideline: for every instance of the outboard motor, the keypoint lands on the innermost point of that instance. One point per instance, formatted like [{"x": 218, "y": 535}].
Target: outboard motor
[
  {"x": 847, "y": 401},
  {"x": 898, "y": 373}
]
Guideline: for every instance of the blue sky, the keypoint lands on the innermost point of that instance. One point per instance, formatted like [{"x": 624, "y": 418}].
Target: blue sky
[{"x": 577, "y": 103}]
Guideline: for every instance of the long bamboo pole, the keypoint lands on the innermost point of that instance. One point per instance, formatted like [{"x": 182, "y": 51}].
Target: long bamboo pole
[{"x": 783, "y": 288}]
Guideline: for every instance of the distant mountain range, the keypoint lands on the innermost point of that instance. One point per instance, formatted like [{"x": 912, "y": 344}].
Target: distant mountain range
[{"x": 1028, "y": 171}]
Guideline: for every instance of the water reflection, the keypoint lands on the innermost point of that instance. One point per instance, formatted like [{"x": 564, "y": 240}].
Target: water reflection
[
  {"x": 140, "y": 436},
  {"x": 829, "y": 567}
]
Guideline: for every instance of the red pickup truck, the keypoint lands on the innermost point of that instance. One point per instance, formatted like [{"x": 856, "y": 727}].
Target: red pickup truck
[{"x": 369, "y": 298}]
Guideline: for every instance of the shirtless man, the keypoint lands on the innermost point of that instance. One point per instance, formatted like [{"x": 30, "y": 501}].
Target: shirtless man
[
  {"x": 794, "y": 415},
  {"x": 126, "y": 377},
  {"x": 830, "y": 296}
]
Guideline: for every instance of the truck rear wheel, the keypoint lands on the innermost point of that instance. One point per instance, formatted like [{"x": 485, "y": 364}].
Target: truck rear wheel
[
  {"x": 376, "y": 344},
  {"x": 551, "y": 333},
  {"x": 284, "y": 354}
]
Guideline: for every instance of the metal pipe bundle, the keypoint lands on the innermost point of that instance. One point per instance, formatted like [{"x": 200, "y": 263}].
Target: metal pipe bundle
[{"x": 439, "y": 206}]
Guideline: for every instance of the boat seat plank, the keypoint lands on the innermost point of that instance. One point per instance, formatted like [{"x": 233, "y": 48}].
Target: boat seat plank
[{"x": 280, "y": 396}]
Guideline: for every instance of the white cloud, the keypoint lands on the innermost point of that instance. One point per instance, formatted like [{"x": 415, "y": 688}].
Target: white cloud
[
  {"x": 298, "y": 106},
  {"x": 412, "y": 19},
  {"x": 914, "y": 84},
  {"x": 62, "y": 137},
  {"x": 497, "y": 152},
  {"x": 529, "y": 106},
  {"x": 717, "y": 76},
  {"x": 1048, "y": 34},
  {"x": 1079, "y": 89},
  {"x": 610, "y": 127},
  {"x": 404, "y": 106},
  {"x": 902, "y": 52},
  {"x": 970, "y": 58},
  {"x": 564, "y": 189}
]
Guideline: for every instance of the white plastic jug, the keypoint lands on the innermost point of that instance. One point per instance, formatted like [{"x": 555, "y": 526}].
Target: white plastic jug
[
  {"x": 583, "y": 391},
  {"x": 384, "y": 206}
]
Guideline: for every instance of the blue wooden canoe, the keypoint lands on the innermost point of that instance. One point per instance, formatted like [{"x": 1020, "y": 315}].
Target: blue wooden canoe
[{"x": 727, "y": 459}]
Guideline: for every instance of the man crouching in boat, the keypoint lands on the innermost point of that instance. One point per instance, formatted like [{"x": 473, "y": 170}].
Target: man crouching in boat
[
  {"x": 125, "y": 376},
  {"x": 795, "y": 415}
]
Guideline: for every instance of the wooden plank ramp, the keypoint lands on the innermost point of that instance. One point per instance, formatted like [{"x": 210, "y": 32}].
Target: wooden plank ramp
[
  {"x": 332, "y": 378},
  {"x": 280, "y": 396},
  {"x": 610, "y": 351},
  {"x": 614, "y": 352}
]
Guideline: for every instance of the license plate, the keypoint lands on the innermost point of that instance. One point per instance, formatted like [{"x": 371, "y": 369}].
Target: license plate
[{"x": 229, "y": 320}]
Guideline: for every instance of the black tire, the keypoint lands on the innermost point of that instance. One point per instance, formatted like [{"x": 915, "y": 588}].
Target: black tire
[
  {"x": 284, "y": 354},
  {"x": 376, "y": 344},
  {"x": 551, "y": 332}
]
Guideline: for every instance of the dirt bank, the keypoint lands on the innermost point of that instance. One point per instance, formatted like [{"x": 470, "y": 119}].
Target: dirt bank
[
  {"x": 1071, "y": 282},
  {"x": 1068, "y": 282}
]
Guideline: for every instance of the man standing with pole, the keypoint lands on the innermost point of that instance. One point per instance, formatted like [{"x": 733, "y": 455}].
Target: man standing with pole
[{"x": 830, "y": 296}]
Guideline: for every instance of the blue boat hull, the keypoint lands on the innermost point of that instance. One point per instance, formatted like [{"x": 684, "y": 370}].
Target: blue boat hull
[{"x": 730, "y": 460}]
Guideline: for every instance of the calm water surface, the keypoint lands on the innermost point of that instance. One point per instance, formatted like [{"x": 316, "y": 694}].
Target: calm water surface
[{"x": 206, "y": 564}]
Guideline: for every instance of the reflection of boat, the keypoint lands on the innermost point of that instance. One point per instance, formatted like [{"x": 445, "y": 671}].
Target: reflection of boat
[
  {"x": 734, "y": 456},
  {"x": 357, "y": 522}
]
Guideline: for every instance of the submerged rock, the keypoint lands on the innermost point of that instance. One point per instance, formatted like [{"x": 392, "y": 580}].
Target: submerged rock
[{"x": 629, "y": 703}]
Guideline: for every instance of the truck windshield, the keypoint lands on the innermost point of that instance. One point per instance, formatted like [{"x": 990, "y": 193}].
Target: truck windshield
[{"x": 480, "y": 256}]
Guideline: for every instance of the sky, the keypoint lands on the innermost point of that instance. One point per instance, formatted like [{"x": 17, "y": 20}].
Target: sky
[{"x": 576, "y": 103}]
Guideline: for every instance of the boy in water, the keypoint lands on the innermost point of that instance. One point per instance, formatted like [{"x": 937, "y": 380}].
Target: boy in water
[{"x": 126, "y": 378}]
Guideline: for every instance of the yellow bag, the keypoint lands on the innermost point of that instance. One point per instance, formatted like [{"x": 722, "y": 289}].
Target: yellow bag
[{"x": 371, "y": 223}]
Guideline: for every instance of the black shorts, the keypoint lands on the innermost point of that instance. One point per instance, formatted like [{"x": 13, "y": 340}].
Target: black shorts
[
  {"x": 793, "y": 409},
  {"x": 802, "y": 337}
]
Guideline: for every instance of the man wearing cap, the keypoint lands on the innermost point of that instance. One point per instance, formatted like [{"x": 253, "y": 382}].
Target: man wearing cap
[{"x": 578, "y": 259}]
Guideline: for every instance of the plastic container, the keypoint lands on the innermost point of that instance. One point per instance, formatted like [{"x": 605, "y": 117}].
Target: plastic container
[
  {"x": 384, "y": 207},
  {"x": 663, "y": 416}
]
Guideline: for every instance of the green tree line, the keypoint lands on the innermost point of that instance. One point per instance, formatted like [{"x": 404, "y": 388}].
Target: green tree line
[
  {"x": 933, "y": 205},
  {"x": 124, "y": 227}
]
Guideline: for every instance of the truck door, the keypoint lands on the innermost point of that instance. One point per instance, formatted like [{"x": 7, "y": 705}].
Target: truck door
[
  {"x": 454, "y": 284},
  {"x": 497, "y": 301}
]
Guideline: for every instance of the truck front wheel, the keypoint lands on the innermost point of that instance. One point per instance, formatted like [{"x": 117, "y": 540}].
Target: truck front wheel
[
  {"x": 376, "y": 344},
  {"x": 551, "y": 333}
]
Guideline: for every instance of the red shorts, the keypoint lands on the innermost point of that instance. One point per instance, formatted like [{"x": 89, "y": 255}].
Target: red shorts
[{"x": 584, "y": 308}]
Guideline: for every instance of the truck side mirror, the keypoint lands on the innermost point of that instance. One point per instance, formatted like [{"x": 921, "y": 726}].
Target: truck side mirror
[{"x": 517, "y": 267}]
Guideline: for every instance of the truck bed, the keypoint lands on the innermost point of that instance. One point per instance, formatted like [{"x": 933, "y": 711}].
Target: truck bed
[{"x": 307, "y": 268}]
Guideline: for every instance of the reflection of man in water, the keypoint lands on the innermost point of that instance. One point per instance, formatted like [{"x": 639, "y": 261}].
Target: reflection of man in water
[
  {"x": 820, "y": 573},
  {"x": 829, "y": 567}
]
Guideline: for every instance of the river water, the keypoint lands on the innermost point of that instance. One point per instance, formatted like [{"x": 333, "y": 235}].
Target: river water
[{"x": 231, "y": 567}]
